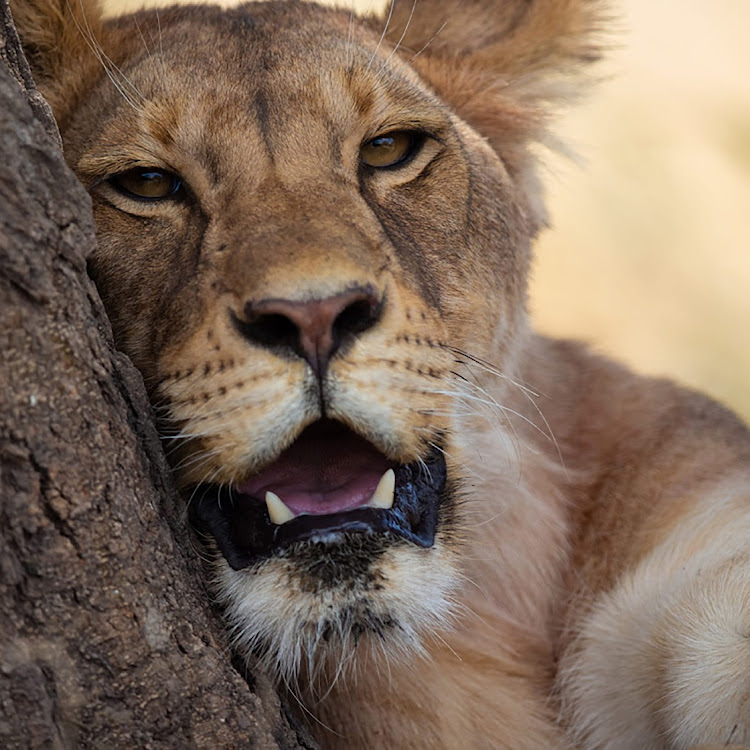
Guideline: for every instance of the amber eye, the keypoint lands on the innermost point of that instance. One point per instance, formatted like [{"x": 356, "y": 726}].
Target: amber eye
[
  {"x": 391, "y": 150},
  {"x": 147, "y": 183}
]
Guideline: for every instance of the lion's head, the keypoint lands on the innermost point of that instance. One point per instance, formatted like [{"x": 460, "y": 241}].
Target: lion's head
[{"x": 314, "y": 236}]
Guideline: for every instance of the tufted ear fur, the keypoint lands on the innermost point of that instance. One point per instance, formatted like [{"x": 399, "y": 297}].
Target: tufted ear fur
[
  {"x": 61, "y": 41},
  {"x": 503, "y": 65}
]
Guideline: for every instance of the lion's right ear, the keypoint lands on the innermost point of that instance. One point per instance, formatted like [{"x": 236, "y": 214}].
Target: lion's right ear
[{"x": 59, "y": 39}]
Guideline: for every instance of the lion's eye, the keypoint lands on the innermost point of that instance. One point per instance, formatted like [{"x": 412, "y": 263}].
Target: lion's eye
[
  {"x": 147, "y": 183},
  {"x": 391, "y": 150}
]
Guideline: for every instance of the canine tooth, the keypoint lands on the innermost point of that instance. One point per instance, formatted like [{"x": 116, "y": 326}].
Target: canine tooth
[
  {"x": 278, "y": 512},
  {"x": 383, "y": 495}
]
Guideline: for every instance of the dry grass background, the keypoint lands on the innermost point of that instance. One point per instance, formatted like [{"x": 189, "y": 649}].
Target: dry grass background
[{"x": 649, "y": 255}]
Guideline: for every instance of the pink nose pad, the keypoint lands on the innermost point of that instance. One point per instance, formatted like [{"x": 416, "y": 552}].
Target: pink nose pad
[{"x": 313, "y": 330}]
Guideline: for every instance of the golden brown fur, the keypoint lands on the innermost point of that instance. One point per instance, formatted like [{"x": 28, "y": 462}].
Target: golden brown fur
[{"x": 589, "y": 581}]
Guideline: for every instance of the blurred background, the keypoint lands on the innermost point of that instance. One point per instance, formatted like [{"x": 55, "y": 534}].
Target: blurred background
[{"x": 648, "y": 257}]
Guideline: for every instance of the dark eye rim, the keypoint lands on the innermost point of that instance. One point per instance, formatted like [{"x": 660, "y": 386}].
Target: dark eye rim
[
  {"x": 176, "y": 190},
  {"x": 417, "y": 140}
]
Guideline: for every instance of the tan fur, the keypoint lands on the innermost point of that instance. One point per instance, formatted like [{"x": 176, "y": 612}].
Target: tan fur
[{"x": 589, "y": 585}]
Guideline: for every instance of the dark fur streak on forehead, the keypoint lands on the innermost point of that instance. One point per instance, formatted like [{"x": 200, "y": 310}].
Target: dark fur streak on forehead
[
  {"x": 363, "y": 96},
  {"x": 212, "y": 159},
  {"x": 264, "y": 125}
]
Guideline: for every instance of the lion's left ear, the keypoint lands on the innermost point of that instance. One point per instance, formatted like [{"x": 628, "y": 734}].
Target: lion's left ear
[
  {"x": 504, "y": 66},
  {"x": 495, "y": 61}
]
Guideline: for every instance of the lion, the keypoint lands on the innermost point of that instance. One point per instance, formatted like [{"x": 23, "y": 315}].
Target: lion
[{"x": 434, "y": 527}]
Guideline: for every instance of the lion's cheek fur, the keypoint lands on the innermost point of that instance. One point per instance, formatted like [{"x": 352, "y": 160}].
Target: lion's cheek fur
[{"x": 152, "y": 310}]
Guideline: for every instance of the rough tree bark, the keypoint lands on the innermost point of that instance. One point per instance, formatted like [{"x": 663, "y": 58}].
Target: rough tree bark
[{"x": 107, "y": 639}]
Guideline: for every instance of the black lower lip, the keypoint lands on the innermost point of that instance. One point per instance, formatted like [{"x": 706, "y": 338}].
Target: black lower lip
[{"x": 245, "y": 535}]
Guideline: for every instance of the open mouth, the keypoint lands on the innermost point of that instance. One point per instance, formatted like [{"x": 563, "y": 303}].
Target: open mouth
[{"x": 329, "y": 483}]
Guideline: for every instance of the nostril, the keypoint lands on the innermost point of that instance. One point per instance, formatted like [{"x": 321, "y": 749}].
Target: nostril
[
  {"x": 270, "y": 330},
  {"x": 357, "y": 317}
]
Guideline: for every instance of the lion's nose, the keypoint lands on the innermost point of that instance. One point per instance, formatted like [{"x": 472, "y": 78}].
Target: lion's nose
[{"x": 313, "y": 330}]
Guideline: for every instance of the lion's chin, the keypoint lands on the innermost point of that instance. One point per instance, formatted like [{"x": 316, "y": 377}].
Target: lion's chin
[{"x": 329, "y": 486}]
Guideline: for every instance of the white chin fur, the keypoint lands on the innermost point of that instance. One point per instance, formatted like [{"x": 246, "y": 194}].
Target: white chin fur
[{"x": 292, "y": 629}]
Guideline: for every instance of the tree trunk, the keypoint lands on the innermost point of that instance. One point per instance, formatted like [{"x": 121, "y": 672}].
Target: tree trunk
[{"x": 107, "y": 639}]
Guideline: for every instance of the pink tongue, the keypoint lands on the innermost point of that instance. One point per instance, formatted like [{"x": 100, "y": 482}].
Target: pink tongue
[{"x": 328, "y": 469}]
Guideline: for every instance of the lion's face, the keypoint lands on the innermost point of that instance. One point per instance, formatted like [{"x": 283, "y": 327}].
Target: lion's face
[{"x": 300, "y": 244}]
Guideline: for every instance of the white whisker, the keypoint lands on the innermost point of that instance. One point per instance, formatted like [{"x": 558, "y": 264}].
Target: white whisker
[
  {"x": 382, "y": 36},
  {"x": 106, "y": 62},
  {"x": 403, "y": 33},
  {"x": 429, "y": 41}
]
